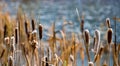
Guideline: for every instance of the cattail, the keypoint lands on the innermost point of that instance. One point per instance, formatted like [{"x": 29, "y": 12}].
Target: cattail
[
  {"x": 86, "y": 36},
  {"x": 90, "y": 64},
  {"x": 33, "y": 25},
  {"x": 82, "y": 25},
  {"x": 109, "y": 35},
  {"x": 109, "y": 39},
  {"x": 5, "y": 30},
  {"x": 16, "y": 35},
  {"x": 97, "y": 34},
  {"x": 26, "y": 28},
  {"x": 108, "y": 22},
  {"x": 87, "y": 41},
  {"x": 40, "y": 31},
  {"x": 10, "y": 61}
]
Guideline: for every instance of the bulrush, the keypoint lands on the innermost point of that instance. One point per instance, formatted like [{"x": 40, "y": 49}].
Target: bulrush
[
  {"x": 33, "y": 24},
  {"x": 40, "y": 31},
  {"x": 87, "y": 41},
  {"x": 108, "y": 22},
  {"x": 82, "y": 25},
  {"x": 90, "y": 64}
]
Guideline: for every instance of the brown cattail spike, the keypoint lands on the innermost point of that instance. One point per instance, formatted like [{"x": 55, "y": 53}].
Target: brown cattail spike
[
  {"x": 82, "y": 25},
  {"x": 33, "y": 25},
  {"x": 109, "y": 35},
  {"x": 16, "y": 35},
  {"x": 5, "y": 31},
  {"x": 86, "y": 36},
  {"x": 40, "y": 31},
  {"x": 108, "y": 22},
  {"x": 26, "y": 27}
]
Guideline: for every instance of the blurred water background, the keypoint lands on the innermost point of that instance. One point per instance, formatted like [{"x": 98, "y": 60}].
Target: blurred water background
[{"x": 48, "y": 11}]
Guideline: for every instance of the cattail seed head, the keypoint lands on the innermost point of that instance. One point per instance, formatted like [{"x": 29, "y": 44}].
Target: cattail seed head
[
  {"x": 26, "y": 27},
  {"x": 86, "y": 36},
  {"x": 109, "y": 35},
  {"x": 5, "y": 30},
  {"x": 82, "y": 25},
  {"x": 108, "y": 22},
  {"x": 90, "y": 64},
  {"x": 33, "y": 25},
  {"x": 16, "y": 35},
  {"x": 40, "y": 31}
]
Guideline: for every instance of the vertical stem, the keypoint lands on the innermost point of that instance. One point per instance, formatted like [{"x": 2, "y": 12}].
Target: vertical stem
[{"x": 109, "y": 54}]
